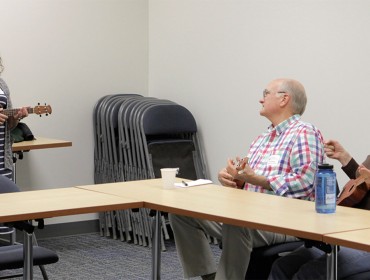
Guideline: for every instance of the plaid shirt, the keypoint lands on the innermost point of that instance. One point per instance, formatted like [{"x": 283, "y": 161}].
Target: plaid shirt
[{"x": 287, "y": 155}]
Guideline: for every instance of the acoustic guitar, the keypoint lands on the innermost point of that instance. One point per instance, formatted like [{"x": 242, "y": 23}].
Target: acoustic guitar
[
  {"x": 38, "y": 110},
  {"x": 353, "y": 192}
]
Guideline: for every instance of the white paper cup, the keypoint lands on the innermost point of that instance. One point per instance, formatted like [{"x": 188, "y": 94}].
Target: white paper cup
[{"x": 168, "y": 177}]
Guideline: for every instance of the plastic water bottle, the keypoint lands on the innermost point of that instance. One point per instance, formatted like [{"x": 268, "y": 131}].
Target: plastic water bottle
[{"x": 325, "y": 189}]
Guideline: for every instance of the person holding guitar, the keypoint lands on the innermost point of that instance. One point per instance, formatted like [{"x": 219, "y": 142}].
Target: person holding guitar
[
  {"x": 310, "y": 263},
  {"x": 7, "y": 123},
  {"x": 280, "y": 161}
]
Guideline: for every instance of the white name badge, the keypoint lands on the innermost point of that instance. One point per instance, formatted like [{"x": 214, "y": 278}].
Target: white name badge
[{"x": 273, "y": 160}]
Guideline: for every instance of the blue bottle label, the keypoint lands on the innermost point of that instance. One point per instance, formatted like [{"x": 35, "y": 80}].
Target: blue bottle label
[{"x": 330, "y": 197}]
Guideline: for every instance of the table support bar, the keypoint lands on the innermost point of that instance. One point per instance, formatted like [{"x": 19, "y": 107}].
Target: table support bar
[
  {"x": 156, "y": 244},
  {"x": 331, "y": 263},
  {"x": 27, "y": 256}
]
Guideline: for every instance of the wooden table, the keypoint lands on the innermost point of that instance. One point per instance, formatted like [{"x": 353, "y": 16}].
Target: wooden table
[
  {"x": 357, "y": 239},
  {"x": 25, "y": 146},
  {"x": 247, "y": 209},
  {"x": 53, "y": 203},
  {"x": 50, "y": 203},
  {"x": 40, "y": 143},
  {"x": 237, "y": 207},
  {"x": 37, "y": 144}
]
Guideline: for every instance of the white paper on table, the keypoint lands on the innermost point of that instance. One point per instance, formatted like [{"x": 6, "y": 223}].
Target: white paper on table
[{"x": 193, "y": 183}]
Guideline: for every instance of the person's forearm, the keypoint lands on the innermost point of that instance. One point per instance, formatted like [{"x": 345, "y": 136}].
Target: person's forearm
[
  {"x": 259, "y": 180},
  {"x": 345, "y": 158}
]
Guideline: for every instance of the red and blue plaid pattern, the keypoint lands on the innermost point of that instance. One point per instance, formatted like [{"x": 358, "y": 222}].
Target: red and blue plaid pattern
[{"x": 287, "y": 155}]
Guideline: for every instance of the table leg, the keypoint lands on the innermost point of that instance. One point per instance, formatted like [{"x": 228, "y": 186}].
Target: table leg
[
  {"x": 331, "y": 263},
  {"x": 27, "y": 256},
  {"x": 156, "y": 247},
  {"x": 20, "y": 156}
]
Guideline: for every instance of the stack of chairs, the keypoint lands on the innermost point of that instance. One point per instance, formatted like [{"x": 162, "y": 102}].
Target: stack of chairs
[{"x": 134, "y": 137}]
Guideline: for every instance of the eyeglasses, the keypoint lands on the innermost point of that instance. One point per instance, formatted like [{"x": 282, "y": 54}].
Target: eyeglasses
[{"x": 267, "y": 92}]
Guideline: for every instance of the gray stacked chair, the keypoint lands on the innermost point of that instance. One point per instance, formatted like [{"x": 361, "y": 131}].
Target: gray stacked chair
[
  {"x": 135, "y": 137},
  {"x": 97, "y": 141},
  {"x": 169, "y": 139},
  {"x": 99, "y": 157},
  {"x": 104, "y": 157},
  {"x": 133, "y": 165}
]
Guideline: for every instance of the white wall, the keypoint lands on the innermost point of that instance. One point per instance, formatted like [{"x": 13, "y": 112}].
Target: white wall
[
  {"x": 216, "y": 56},
  {"x": 212, "y": 56},
  {"x": 69, "y": 53}
]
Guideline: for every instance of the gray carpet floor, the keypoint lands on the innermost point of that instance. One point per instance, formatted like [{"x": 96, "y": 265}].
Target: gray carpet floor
[{"x": 92, "y": 257}]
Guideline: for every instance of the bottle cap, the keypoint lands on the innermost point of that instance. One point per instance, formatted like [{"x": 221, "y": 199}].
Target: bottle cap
[{"x": 325, "y": 166}]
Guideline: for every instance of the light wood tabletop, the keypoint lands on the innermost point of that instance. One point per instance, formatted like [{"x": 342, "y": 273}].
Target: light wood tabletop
[
  {"x": 249, "y": 209},
  {"x": 20, "y": 206},
  {"x": 348, "y": 226},
  {"x": 357, "y": 239},
  {"x": 59, "y": 202},
  {"x": 40, "y": 143},
  {"x": 242, "y": 208}
]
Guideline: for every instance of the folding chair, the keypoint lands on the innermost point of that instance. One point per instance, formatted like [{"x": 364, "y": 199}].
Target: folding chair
[
  {"x": 131, "y": 137},
  {"x": 106, "y": 167},
  {"x": 169, "y": 136}
]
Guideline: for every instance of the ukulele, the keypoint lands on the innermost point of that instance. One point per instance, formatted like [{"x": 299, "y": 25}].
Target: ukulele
[
  {"x": 38, "y": 110},
  {"x": 353, "y": 192}
]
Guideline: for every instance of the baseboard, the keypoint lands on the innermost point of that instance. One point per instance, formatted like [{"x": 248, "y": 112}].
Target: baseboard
[{"x": 63, "y": 229}]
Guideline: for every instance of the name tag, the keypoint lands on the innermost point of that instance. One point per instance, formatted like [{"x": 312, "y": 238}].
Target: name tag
[{"x": 273, "y": 160}]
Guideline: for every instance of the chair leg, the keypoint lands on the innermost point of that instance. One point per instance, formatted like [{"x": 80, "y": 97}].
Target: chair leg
[{"x": 43, "y": 272}]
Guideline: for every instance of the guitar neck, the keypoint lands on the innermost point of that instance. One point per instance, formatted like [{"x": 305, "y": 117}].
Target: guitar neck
[{"x": 12, "y": 112}]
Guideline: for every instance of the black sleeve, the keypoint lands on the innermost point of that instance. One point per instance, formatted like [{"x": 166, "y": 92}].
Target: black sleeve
[{"x": 351, "y": 168}]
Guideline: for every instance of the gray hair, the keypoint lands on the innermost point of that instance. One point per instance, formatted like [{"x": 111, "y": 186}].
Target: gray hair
[{"x": 298, "y": 94}]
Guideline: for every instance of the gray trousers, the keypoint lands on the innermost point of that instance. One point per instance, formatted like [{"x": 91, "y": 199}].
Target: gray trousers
[
  {"x": 310, "y": 264},
  {"x": 196, "y": 256}
]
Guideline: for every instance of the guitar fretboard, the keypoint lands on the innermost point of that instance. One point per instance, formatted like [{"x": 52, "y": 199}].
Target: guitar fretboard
[{"x": 12, "y": 112}]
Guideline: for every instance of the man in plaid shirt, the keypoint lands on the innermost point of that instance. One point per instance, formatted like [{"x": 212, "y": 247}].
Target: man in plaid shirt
[{"x": 281, "y": 161}]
